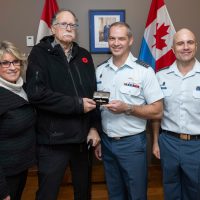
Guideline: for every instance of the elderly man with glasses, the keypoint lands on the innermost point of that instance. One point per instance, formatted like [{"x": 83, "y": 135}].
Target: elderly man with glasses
[{"x": 60, "y": 84}]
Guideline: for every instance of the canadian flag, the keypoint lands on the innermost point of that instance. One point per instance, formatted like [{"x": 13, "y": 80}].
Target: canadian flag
[
  {"x": 50, "y": 8},
  {"x": 158, "y": 37}
]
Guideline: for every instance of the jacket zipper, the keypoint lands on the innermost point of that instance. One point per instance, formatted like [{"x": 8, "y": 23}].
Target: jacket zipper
[
  {"x": 36, "y": 78},
  {"x": 80, "y": 79},
  {"x": 70, "y": 73}
]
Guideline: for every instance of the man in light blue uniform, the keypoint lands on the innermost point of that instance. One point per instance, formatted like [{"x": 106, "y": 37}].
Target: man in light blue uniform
[
  {"x": 178, "y": 146},
  {"x": 135, "y": 96}
]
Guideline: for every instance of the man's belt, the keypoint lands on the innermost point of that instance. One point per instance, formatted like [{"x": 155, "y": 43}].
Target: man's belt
[
  {"x": 182, "y": 136},
  {"x": 119, "y": 138},
  {"x": 123, "y": 137}
]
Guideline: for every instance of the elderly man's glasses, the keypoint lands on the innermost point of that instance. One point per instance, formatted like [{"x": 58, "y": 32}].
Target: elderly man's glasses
[
  {"x": 6, "y": 64},
  {"x": 65, "y": 25}
]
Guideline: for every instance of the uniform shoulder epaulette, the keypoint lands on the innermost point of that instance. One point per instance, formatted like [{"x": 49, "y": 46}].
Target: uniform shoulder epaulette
[
  {"x": 163, "y": 68},
  {"x": 142, "y": 63},
  {"x": 104, "y": 62}
]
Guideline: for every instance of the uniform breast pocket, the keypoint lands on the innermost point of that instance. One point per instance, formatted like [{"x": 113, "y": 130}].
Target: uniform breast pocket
[
  {"x": 130, "y": 94},
  {"x": 167, "y": 92},
  {"x": 195, "y": 102},
  {"x": 196, "y": 94},
  {"x": 99, "y": 86}
]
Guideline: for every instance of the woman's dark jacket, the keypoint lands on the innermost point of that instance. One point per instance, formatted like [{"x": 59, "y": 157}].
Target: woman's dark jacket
[
  {"x": 17, "y": 136},
  {"x": 56, "y": 87}
]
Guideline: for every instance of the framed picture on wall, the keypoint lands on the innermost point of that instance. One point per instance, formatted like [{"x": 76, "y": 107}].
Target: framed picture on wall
[{"x": 99, "y": 23}]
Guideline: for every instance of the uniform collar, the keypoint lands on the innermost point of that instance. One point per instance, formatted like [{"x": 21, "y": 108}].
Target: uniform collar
[
  {"x": 174, "y": 68},
  {"x": 196, "y": 67},
  {"x": 128, "y": 63}
]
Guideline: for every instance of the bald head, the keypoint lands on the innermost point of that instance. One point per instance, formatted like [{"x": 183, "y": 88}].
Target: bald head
[
  {"x": 184, "y": 46},
  {"x": 182, "y": 33}
]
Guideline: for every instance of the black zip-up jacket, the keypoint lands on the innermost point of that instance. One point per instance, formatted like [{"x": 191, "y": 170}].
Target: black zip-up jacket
[
  {"x": 17, "y": 137},
  {"x": 56, "y": 87}
]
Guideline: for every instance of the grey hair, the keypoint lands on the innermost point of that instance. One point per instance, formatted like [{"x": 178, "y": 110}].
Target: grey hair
[{"x": 53, "y": 20}]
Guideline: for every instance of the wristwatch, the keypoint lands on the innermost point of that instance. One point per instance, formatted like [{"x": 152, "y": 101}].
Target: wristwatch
[{"x": 128, "y": 111}]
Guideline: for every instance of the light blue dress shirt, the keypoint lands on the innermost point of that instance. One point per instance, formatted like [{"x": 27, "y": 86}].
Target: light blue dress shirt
[
  {"x": 131, "y": 83},
  {"x": 181, "y": 99}
]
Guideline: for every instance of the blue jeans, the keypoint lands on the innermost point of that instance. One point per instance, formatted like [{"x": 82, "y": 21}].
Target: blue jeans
[
  {"x": 125, "y": 164},
  {"x": 180, "y": 161}
]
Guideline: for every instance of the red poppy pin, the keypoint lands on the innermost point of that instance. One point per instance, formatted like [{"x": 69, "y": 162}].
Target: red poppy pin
[{"x": 84, "y": 60}]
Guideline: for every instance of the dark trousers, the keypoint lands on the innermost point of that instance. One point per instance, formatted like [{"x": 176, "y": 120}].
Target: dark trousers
[
  {"x": 16, "y": 184},
  {"x": 181, "y": 168},
  {"x": 52, "y": 163},
  {"x": 125, "y": 164}
]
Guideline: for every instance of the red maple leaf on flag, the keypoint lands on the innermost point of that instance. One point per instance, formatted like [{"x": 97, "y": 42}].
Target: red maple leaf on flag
[{"x": 160, "y": 33}]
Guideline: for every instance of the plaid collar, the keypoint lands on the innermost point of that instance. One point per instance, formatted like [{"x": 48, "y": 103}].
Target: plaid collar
[{"x": 68, "y": 53}]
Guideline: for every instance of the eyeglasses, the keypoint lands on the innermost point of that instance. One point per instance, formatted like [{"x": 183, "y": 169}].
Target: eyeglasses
[
  {"x": 6, "y": 64},
  {"x": 65, "y": 25}
]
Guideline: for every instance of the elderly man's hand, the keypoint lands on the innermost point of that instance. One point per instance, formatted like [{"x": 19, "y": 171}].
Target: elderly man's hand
[
  {"x": 88, "y": 105},
  {"x": 93, "y": 136}
]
